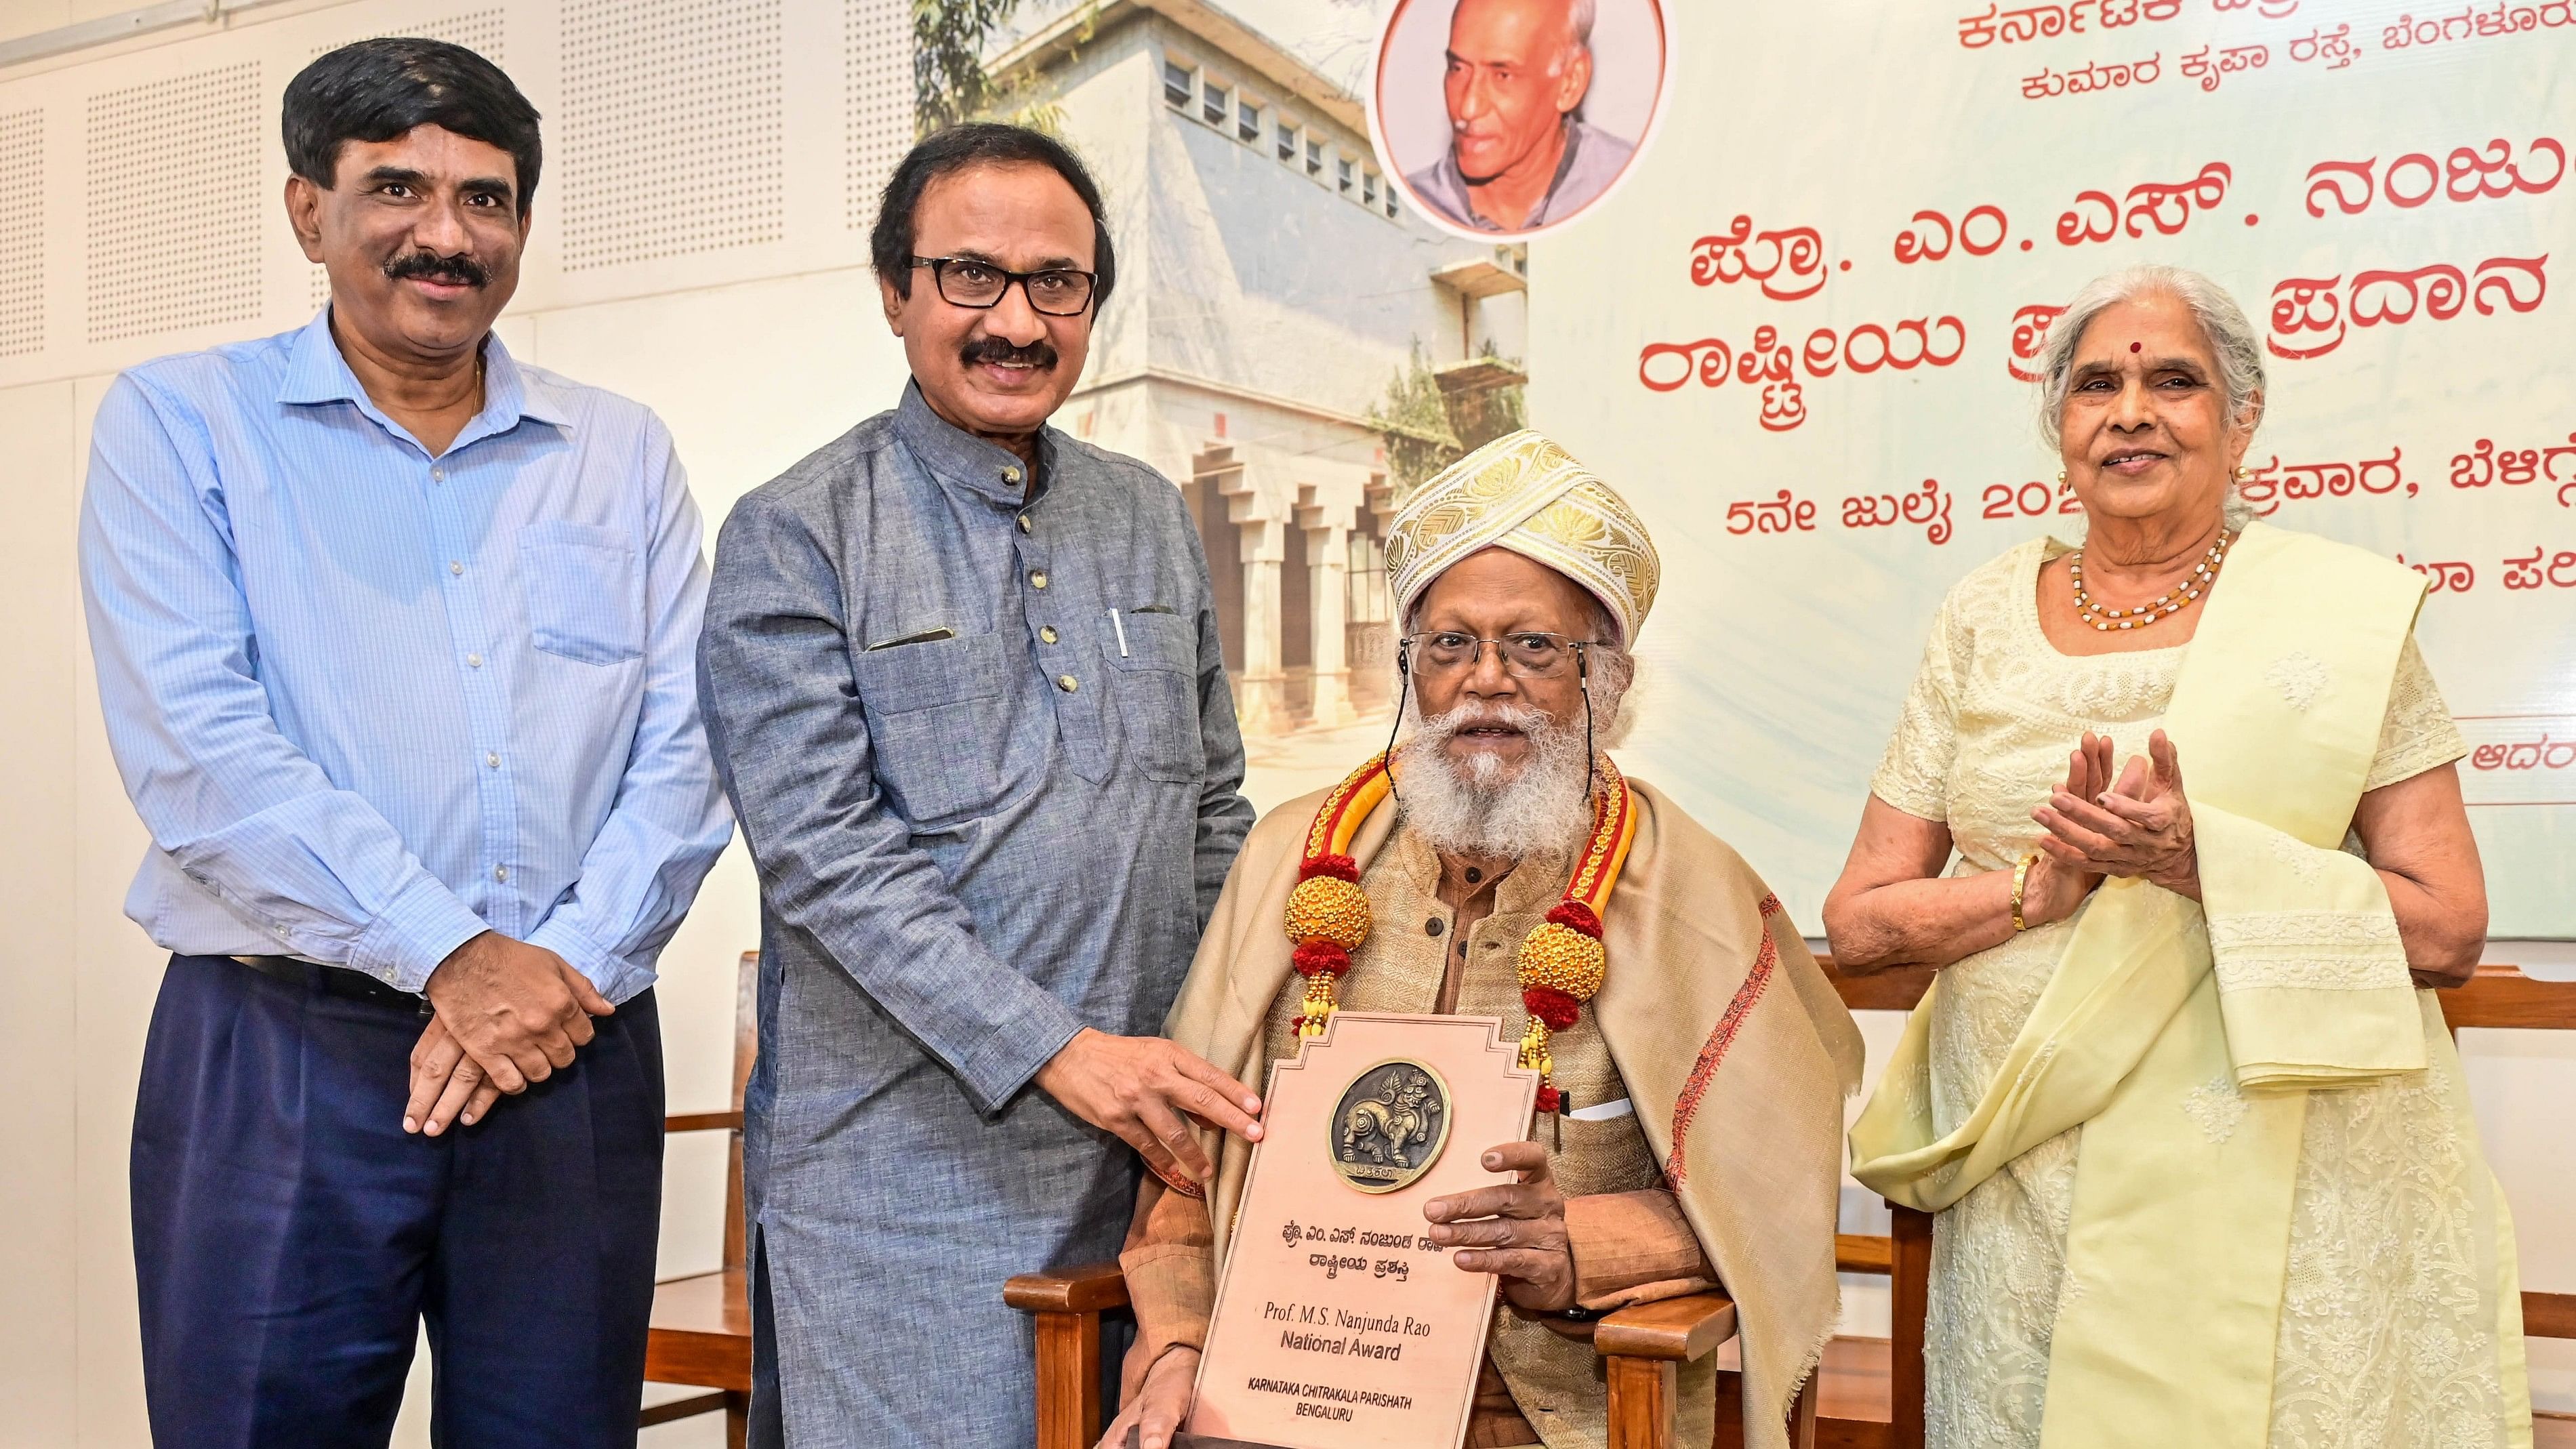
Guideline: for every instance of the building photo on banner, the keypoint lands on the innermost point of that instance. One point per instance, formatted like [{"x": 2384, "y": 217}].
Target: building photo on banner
[{"x": 1781, "y": 274}]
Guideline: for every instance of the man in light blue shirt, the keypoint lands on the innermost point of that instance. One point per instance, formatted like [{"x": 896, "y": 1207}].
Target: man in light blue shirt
[{"x": 395, "y": 639}]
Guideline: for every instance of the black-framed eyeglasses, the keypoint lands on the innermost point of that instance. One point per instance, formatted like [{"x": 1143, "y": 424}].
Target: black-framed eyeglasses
[
  {"x": 972, "y": 282},
  {"x": 1532, "y": 654}
]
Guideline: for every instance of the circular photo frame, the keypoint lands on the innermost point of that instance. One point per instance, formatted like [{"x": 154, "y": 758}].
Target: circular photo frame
[{"x": 1507, "y": 119}]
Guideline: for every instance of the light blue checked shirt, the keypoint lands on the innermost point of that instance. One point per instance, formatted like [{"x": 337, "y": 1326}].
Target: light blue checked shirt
[{"x": 370, "y": 703}]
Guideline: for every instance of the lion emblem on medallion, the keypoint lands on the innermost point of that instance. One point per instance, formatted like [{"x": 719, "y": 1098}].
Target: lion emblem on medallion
[{"x": 1392, "y": 1121}]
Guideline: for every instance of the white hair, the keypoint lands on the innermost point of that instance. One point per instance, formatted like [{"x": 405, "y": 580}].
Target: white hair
[
  {"x": 1580, "y": 16},
  {"x": 2231, "y": 338},
  {"x": 1474, "y": 807}
]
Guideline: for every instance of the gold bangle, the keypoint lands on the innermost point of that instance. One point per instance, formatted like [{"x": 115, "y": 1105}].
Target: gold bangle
[{"x": 2021, "y": 878}]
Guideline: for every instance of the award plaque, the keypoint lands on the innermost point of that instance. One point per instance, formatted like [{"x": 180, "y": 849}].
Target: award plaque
[{"x": 1338, "y": 1324}]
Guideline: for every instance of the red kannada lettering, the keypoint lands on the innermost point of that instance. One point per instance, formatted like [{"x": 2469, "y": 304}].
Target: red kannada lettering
[
  {"x": 2333, "y": 46},
  {"x": 1772, "y": 364},
  {"x": 2540, "y": 754},
  {"x": 1928, "y": 505},
  {"x": 2030, "y": 334},
  {"x": 2036, "y": 22},
  {"x": 1796, "y": 260},
  {"x": 2472, "y": 22},
  {"x": 2198, "y": 66},
  {"x": 1928, "y": 237},
  {"x": 2271, "y": 9},
  {"x": 1784, "y": 514},
  {"x": 2095, "y": 76},
  {"x": 2276, "y": 483},
  {"x": 2468, "y": 173},
  {"x": 2166, "y": 206},
  {"x": 2450, "y": 578},
  {"x": 2302, "y": 306},
  {"x": 2482, "y": 466}
]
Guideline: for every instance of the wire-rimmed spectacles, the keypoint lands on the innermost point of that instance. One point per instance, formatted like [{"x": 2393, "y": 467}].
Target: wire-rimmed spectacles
[
  {"x": 974, "y": 282},
  {"x": 1530, "y": 654}
]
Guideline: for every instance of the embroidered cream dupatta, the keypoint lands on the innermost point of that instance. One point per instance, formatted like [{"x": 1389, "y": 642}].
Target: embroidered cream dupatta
[{"x": 2185, "y": 1038}]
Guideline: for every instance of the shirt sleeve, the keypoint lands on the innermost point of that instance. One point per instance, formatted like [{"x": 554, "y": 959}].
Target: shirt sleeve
[
  {"x": 241, "y": 811},
  {"x": 668, "y": 823},
  {"x": 791, "y": 744},
  {"x": 2417, "y": 733},
  {"x": 1224, "y": 815},
  {"x": 1914, "y": 774},
  {"x": 1633, "y": 1247}
]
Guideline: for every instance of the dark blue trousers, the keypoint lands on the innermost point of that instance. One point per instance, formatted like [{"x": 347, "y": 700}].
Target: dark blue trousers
[{"x": 289, "y": 1238}]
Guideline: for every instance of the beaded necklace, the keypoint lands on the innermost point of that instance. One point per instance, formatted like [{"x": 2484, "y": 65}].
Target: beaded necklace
[
  {"x": 1562, "y": 962},
  {"x": 2089, "y": 610}
]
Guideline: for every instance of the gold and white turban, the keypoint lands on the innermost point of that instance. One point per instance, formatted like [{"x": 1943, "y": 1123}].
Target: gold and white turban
[{"x": 1524, "y": 493}]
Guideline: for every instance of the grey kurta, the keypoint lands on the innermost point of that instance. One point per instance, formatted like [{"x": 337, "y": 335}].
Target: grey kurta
[{"x": 987, "y": 811}]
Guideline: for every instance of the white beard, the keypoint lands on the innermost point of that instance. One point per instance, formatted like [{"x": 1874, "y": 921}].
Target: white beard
[{"x": 1483, "y": 807}]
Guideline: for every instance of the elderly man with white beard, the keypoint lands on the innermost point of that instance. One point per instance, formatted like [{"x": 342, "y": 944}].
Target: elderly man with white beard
[{"x": 1693, "y": 1057}]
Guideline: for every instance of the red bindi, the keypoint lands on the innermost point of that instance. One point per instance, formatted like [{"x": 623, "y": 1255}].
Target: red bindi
[{"x": 2135, "y": 346}]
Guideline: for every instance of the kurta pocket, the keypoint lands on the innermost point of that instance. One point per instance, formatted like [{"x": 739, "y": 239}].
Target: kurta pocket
[
  {"x": 583, "y": 587},
  {"x": 933, "y": 726},
  {"x": 1156, "y": 658}
]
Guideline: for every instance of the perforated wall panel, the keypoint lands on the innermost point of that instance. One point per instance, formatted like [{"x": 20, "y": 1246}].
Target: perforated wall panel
[
  {"x": 477, "y": 30},
  {"x": 22, "y": 233},
  {"x": 175, "y": 201},
  {"x": 671, "y": 128},
  {"x": 876, "y": 68}
]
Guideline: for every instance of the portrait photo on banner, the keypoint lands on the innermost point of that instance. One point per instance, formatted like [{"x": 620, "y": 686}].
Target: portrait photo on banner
[{"x": 1505, "y": 119}]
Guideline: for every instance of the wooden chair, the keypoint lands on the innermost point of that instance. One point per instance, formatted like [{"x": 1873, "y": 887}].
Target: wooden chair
[
  {"x": 1857, "y": 1379},
  {"x": 1641, "y": 1348},
  {"x": 2501, "y": 996},
  {"x": 701, "y": 1326},
  {"x": 1871, "y": 1393}
]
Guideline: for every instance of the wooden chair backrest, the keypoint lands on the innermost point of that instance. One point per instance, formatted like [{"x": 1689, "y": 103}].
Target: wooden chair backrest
[
  {"x": 746, "y": 1050},
  {"x": 2501, "y": 996}
]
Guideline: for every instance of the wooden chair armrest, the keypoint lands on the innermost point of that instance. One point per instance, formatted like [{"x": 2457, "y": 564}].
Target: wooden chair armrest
[
  {"x": 1087, "y": 1288},
  {"x": 702, "y": 1122},
  {"x": 1861, "y": 1253},
  {"x": 1067, "y": 1303},
  {"x": 1675, "y": 1330}
]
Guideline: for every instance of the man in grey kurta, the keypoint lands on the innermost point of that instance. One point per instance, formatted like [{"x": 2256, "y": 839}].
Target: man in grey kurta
[{"x": 964, "y": 685}]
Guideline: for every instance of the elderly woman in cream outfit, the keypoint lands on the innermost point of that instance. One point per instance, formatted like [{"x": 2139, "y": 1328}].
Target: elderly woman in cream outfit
[{"x": 2200, "y": 1148}]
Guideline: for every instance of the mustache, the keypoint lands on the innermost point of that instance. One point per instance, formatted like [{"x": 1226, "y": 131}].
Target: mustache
[
  {"x": 460, "y": 269},
  {"x": 1528, "y": 719},
  {"x": 1039, "y": 354}
]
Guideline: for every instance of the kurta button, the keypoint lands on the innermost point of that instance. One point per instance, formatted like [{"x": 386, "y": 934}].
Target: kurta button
[
  {"x": 1047, "y": 634},
  {"x": 1432, "y": 926},
  {"x": 1037, "y": 578},
  {"x": 501, "y": 873},
  {"x": 1010, "y": 475},
  {"x": 1025, "y": 525},
  {"x": 1067, "y": 683},
  {"x": 437, "y": 475},
  {"x": 473, "y": 661},
  {"x": 456, "y": 566},
  {"x": 492, "y": 759}
]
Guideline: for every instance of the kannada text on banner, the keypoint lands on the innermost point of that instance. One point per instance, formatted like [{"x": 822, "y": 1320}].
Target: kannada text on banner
[{"x": 1804, "y": 341}]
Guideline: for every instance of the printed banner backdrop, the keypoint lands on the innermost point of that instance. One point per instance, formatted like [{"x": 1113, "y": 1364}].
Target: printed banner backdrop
[{"x": 1798, "y": 340}]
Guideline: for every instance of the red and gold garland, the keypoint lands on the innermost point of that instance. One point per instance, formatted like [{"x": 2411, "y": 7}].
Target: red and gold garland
[{"x": 1562, "y": 961}]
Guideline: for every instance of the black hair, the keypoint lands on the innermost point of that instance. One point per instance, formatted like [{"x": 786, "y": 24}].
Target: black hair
[
  {"x": 376, "y": 90},
  {"x": 980, "y": 143}
]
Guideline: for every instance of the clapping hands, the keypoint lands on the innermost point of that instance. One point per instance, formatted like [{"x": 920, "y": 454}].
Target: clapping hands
[{"x": 2137, "y": 825}]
